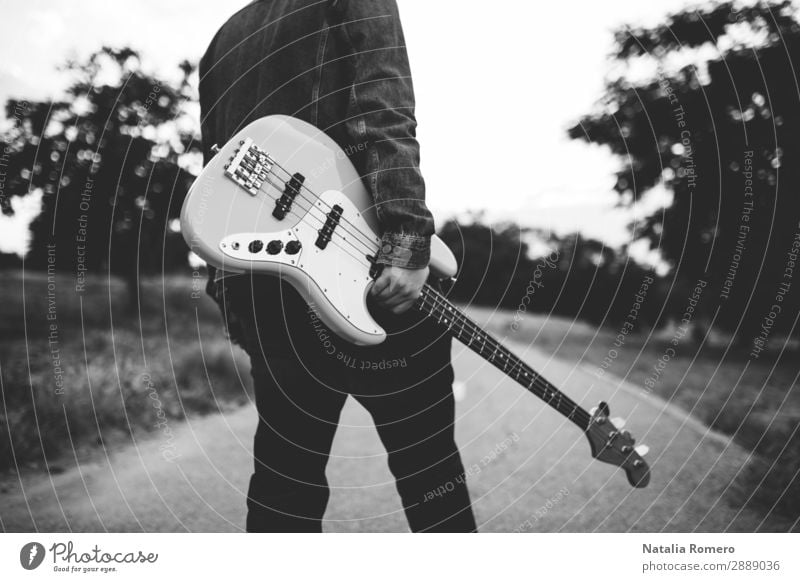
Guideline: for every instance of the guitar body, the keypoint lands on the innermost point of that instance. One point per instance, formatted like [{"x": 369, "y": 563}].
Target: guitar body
[{"x": 229, "y": 220}]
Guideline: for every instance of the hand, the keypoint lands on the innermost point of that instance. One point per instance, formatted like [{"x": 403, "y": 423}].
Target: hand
[{"x": 397, "y": 288}]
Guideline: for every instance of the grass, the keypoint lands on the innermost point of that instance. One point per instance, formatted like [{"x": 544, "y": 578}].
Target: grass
[
  {"x": 125, "y": 376},
  {"x": 756, "y": 402},
  {"x": 82, "y": 372}
]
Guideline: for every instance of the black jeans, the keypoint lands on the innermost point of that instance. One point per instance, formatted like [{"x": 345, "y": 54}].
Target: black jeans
[{"x": 303, "y": 374}]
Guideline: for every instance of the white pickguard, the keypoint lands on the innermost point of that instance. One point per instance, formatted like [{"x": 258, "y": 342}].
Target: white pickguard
[{"x": 337, "y": 275}]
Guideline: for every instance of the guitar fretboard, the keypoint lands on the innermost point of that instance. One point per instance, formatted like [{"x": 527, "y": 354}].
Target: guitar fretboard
[{"x": 436, "y": 306}]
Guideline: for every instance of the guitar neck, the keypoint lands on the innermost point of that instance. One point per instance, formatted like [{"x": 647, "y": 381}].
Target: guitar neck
[{"x": 438, "y": 307}]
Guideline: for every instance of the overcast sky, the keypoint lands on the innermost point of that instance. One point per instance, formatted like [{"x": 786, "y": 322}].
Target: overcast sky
[{"x": 497, "y": 84}]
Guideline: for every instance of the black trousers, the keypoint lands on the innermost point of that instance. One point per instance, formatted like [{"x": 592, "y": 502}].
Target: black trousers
[{"x": 303, "y": 374}]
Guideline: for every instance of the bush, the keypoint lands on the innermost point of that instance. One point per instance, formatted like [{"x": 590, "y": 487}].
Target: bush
[{"x": 109, "y": 394}]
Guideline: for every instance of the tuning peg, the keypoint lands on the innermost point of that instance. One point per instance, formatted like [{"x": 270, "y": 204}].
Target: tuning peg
[
  {"x": 215, "y": 149},
  {"x": 619, "y": 422},
  {"x": 642, "y": 450}
]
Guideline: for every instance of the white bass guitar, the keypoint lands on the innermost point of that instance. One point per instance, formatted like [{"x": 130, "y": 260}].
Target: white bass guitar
[{"x": 282, "y": 198}]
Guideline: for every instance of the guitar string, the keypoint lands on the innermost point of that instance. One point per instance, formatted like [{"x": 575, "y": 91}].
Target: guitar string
[
  {"x": 440, "y": 302},
  {"x": 316, "y": 198},
  {"x": 458, "y": 317},
  {"x": 370, "y": 246},
  {"x": 301, "y": 218},
  {"x": 538, "y": 381},
  {"x": 358, "y": 258},
  {"x": 336, "y": 232},
  {"x": 371, "y": 250},
  {"x": 516, "y": 363}
]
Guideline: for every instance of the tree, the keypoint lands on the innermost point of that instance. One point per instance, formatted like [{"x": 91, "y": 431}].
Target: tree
[
  {"x": 493, "y": 261},
  {"x": 111, "y": 163},
  {"x": 575, "y": 277},
  {"x": 716, "y": 132}
]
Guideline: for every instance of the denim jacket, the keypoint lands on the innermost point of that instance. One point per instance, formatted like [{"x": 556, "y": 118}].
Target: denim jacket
[{"x": 342, "y": 66}]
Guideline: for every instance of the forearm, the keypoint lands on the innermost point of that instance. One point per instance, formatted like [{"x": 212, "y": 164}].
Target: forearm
[{"x": 381, "y": 116}]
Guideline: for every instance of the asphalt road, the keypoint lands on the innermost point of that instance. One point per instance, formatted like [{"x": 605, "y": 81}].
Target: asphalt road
[{"x": 531, "y": 469}]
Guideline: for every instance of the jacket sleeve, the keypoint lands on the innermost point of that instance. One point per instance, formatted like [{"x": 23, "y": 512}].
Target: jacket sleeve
[{"x": 381, "y": 116}]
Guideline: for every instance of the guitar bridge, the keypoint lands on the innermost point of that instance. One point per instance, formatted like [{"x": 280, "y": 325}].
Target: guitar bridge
[{"x": 249, "y": 166}]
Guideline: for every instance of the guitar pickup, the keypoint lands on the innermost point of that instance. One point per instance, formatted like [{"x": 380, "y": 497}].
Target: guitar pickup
[
  {"x": 331, "y": 222},
  {"x": 290, "y": 192}
]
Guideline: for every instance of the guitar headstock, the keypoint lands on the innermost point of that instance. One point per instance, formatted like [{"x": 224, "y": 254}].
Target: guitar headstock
[{"x": 615, "y": 446}]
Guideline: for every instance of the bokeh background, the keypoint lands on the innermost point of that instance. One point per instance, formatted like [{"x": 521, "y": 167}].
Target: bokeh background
[{"x": 572, "y": 153}]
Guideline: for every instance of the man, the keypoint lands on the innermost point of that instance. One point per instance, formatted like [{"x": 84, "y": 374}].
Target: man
[{"x": 342, "y": 66}]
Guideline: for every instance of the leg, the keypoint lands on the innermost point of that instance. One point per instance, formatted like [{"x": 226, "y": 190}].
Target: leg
[
  {"x": 297, "y": 422},
  {"x": 298, "y": 412},
  {"x": 413, "y": 408}
]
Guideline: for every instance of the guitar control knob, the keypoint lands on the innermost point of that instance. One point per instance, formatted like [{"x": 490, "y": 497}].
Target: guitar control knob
[
  {"x": 255, "y": 246},
  {"x": 274, "y": 247},
  {"x": 293, "y": 247}
]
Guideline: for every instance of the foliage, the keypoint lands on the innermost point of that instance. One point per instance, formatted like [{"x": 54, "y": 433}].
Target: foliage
[
  {"x": 716, "y": 132},
  {"x": 110, "y": 160},
  {"x": 575, "y": 277},
  {"x": 101, "y": 376}
]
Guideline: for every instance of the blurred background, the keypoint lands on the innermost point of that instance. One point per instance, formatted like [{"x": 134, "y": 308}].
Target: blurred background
[{"x": 591, "y": 149}]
